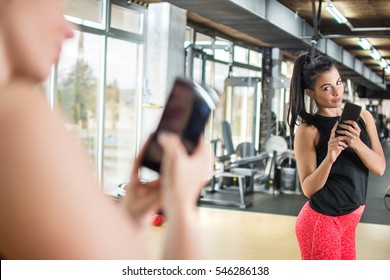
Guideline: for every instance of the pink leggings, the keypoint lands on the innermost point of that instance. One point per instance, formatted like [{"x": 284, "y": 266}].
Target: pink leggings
[{"x": 322, "y": 237}]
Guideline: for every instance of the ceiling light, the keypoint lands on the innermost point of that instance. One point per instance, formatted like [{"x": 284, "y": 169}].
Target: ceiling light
[
  {"x": 387, "y": 70},
  {"x": 335, "y": 13},
  {"x": 375, "y": 54},
  {"x": 364, "y": 44},
  {"x": 383, "y": 63}
]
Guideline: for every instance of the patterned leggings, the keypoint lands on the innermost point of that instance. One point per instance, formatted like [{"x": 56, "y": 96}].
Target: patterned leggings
[{"x": 322, "y": 237}]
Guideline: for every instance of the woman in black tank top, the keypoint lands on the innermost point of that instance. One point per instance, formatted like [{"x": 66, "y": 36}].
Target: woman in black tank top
[{"x": 333, "y": 170}]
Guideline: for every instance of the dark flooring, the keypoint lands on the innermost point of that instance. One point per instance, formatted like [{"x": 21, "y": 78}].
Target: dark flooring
[{"x": 290, "y": 204}]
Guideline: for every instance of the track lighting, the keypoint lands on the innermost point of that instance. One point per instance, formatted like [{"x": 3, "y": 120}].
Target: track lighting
[
  {"x": 364, "y": 44},
  {"x": 375, "y": 54},
  {"x": 383, "y": 63},
  {"x": 331, "y": 8}
]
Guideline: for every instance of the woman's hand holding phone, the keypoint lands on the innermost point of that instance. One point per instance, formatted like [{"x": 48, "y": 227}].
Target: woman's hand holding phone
[
  {"x": 142, "y": 199},
  {"x": 351, "y": 131},
  {"x": 336, "y": 144},
  {"x": 178, "y": 143},
  {"x": 186, "y": 113},
  {"x": 351, "y": 112},
  {"x": 348, "y": 127},
  {"x": 182, "y": 175}
]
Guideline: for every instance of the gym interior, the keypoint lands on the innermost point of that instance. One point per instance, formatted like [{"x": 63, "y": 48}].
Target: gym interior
[{"x": 114, "y": 76}]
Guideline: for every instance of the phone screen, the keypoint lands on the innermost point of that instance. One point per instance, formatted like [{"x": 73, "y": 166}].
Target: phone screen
[
  {"x": 350, "y": 112},
  {"x": 186, "y": 113}
]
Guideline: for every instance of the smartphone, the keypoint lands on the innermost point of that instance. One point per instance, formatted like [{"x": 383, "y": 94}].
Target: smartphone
[
  {"x": 351, "y": 111},
  {"x": 186, "y": 113}
]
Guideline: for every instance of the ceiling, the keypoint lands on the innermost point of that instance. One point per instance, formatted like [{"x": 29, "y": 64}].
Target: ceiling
[
  {"x": 230, "y": 18},
  {"x": 368, "y": 14}
]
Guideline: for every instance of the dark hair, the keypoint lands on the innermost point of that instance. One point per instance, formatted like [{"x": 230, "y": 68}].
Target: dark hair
[{"x": 306, "y": 70}]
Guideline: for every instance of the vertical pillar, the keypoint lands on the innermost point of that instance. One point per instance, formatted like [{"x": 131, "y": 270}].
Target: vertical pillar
[
  {"x": 164, "y": 61},
  {"x": 277, "y": 86},
  {"x": 265, "y": 124}
]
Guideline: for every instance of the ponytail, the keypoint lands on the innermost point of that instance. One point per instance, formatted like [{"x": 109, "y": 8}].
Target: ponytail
[{"x": 305, "y": 72}]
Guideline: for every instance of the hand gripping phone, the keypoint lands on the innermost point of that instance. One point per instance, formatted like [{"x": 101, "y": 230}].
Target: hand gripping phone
[
  {"x": 351, "y": 111},
  {"x": 186, "y": 113}
]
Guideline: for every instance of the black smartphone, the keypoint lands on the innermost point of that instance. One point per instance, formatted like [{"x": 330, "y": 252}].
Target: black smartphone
[
  {"x": 186, "y": 113},
  {"x": 351, "y": 111}
]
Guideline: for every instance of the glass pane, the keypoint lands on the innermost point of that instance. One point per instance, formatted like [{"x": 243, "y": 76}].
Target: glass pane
[
  {"x": 85, "y": 10},
  {"x": 255, "y": 58},
  {"x": 238, "y": 104},
  {"x": 209, "y": 73},
  {"x": 224, "y": 53},
  {"x": 123, "y": 88},
  {"x": 205, "y": 41},
  {"x": 209, "y": 77},
  {"x": 289, "y": 68},
  {"x": 189, "y": 36},
  {"x": 242, "y": 114},
  {"x": 78, "y": 78},
  {"x": 197, "y": 74},
  {"x": 127, "y": 20},
  {"x": 249, "y": 122},
  {"x": 240, "y": 72},
  {"x": 221, "y": 73},
  {"x": 253, "y": 73},
  {"x": 240, "y": 54},
  {"x": 284, "y": 68}
]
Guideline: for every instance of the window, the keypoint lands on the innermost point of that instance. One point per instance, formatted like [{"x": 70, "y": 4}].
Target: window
[
  {"x": 204, "y": 40},
  {"x": 240, "y": 72},
  {"x": 127, "y": 20},
  {"x": 78, "y": 79},
  {"x": 240, "y": 54},
  {"x": 189, "y": 36},
  {"x": 255, "y": 58},
  {"x": 86, "y": 12},
  {"x": 76, "y": 85},
  {"x": 123, "y": 88},
  {"x": 223, "y": 50}
]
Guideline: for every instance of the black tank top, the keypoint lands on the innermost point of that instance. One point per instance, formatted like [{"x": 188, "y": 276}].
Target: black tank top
[{"x": 346, "y": 187}]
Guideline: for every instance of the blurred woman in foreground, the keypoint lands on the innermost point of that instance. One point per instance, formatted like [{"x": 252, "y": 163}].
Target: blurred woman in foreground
[{"x": 50, "y": 204}]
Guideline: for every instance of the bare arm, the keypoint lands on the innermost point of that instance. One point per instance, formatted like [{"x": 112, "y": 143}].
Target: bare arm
[
  {"x": 373, "y": 158},
  {"x": 313, "y": 178},
  {"x": 50, "y": 204},
  {"x": 182, "y": 179}
]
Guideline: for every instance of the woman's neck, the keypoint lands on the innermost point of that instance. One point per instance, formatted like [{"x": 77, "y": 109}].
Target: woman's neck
[{"x": 329, "y": 112}]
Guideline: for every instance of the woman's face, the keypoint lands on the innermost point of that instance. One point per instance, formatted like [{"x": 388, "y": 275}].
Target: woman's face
[
  {"x": 328, "y": 90},
  {"x": 33, "y": 32}
]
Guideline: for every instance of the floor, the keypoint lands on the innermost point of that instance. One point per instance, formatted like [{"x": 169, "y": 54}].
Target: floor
[
  {"x": 261, "y": 236},
  {"x": 290, "y": 204},
  {"x": 265, "y": 231}
]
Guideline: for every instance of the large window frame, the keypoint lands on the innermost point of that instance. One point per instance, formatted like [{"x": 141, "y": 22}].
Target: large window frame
[
  {"x": 106, "y": 31},
  {"x": 209, "y": 48}
]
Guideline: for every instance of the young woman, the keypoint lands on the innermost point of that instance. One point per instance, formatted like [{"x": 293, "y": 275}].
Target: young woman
[
  {"x": 50, "y": 203},
  {"x": 333, "y": 171}
]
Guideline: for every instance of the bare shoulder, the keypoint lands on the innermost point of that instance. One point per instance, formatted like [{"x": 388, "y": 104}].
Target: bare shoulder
[
  {"x": 307, "y": 134},
  {"x": 305, "y": 142},
  {"x": 367, "y": 117}
]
